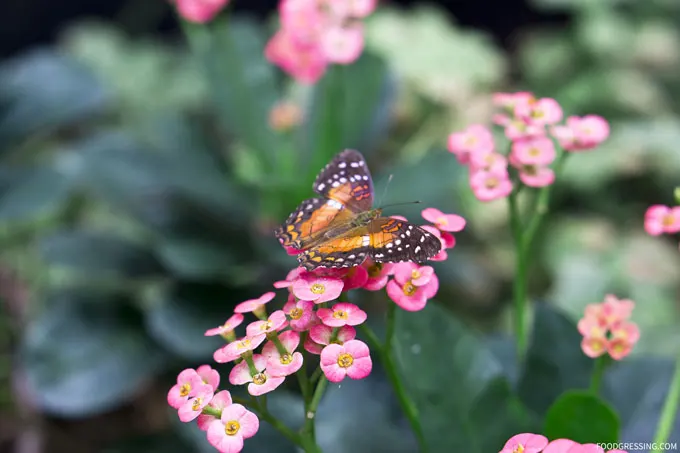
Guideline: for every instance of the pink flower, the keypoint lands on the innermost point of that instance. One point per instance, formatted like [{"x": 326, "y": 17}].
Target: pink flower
[
  {"x": 489, "y": 186},
  {"x": 227, "y": 328},
  {"x": 235, "y": 349},
  {"x": 510, "y": 100},
  {"x": 594, "y": 346},
  {"x": 342, "y": 314},
  {"x": 445, "y": 222},
  {"x": 487, "y": 160},
  {"x": 282, "y": 365},
  {"x": 274, "y": 323},
  {"x": 194, "y": 405},
  {"x": 409, "y": 296},
  {"x": 355, "y": 277},
  {"x": 305, "y": 62},
  {"x": 260, "y": 383},
  {"x": 623, "y": 338},
  {"x": 349, "y": 359},
  {"x": 661, "y": 219},
  {"x": 235, "y": 424},
  {"x": 543, "y": 111},
  {"x": 525, "y": 443},
  {"x": 476, "y": 138},
  {"x": 533, "y": 151},
  {"x": 219, "y": 402},
  {"x": 378, "y": 274},
  {"x": 255, "y": 305},
  {"x": 610, "y": 312},
  {"x": 582, "y": 133},
  {"x": 317, "y": 289},
  {"x": 586, "y": 448},
  {"x": 560, "y": 446},
  {"x": 322, "y": 334},
  {"x": 187, "y": 383},
  {"x": 301, "y": 313},
  {"x": 303, "y": 20},
  {"x": 351, "y": 8},
  {"x": 311, "y": 346},
  {"x": 342, "y": 45},
  {"x": 290, "y": 278},
  {"x": 209, "y": 376},
  {"x": 517, "y": 129},
  {"x": 536, "y": 176},
  {"x": 200, "y": 11},
  {"x": 408, "y": 271}
]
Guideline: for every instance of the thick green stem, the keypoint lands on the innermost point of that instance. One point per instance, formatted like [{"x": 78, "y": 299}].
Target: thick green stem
[
  {"x": 596, "y": 379},
  {"x": 385, "y": 355},
  {"x": 308, "y": 434},
  {"x": 670, "y": 408}
]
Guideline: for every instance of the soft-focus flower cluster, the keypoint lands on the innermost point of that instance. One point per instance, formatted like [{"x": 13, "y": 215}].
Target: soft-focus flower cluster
[
  {"x": 606, "y": 329},
  {"x": 660, "y": 219},
  {"x": 316, "y": 318},
  {"x": 531, "y": 125},
  {"x": 536, "y": 443},
  {"x": 316, "y": 33},
  {"x": 199, "y": 11}
]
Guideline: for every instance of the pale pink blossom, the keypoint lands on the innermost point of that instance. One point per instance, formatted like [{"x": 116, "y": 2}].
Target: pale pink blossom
[
  {"x": 525, "y": 443},
  {"x": 409, "y": 296},
  {"x": 342, "y": 314},
  {"x": 255, "y": 305},
  {"x": 274, "y": 323},
  {"x": 285, "y": 364},
  {"x": 301, "y": 313},
  {"x": 323, "y": 335},
  {"x": 444, "y": 222},
  {"x": 661, "y": 219},
  {"x": 417, "y": 274},
  {"x": 219, "y": 401},
  {"x": 317, "y": 289},
  {"x": 235, "y": 349},
  {"x": 488, "y": 186},
  {"x": 188, "y": 382},
  {"x": 543, "y": 111},
  {"x": 193, "y": 407},
  {"x": 488, "y": 160},
  {"x": 236, "y": 424},
  {"x": 200, "y": 11},
  {"x": 476, "y": 138},
  {"x": 227, "y": 328},
  {"x": 378, "y": 275},
  {"x": 582, "y": 133},
  {"x": 260, "y": 383},
  {"x": 538, "y": 150},
  {"x": 350, "y": 359},
  {"x": 560, "y": 446},
  {"x": 209, "y": 376},
  {"x": 342, "y": 45},
  {"x": 305, "y": 62}
]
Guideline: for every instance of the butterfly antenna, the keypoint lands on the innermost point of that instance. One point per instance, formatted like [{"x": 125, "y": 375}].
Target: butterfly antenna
[
  {"x": 382, "y": 197},
  {"x": 402, "y": 204}
]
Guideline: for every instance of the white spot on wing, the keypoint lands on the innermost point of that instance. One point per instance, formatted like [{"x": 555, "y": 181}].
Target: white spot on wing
[
  {"x": 351, "y": 257},
  {"x": 422, "y": 238},
  {"x": 342, "y": 164},
  {"x": 334, "y": 204},
  {"x": 417, "y": 249},
  {"x": 388, "y": 245},
  {"x": 343, "y": 180},
  {"x": 366, "y": 240},
  {"x": 321, "y": 186},
  {"x": 335, "y": 184},
  {"x": 398, "y": 241}
]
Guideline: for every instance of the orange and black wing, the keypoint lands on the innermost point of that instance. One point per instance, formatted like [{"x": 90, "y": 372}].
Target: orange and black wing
[
  {"x": 309, "y": 221},
  {"x": 347, "y": 180},
  {"x": 395, "y": 241},
  {"x": 347, "y": 250}
]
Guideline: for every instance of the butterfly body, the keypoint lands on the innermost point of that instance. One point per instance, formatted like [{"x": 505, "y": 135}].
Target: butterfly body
[{"x": 341, "y": 228}]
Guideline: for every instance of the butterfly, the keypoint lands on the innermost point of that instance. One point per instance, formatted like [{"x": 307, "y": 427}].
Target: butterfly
[{"x": 342, "y": 229}]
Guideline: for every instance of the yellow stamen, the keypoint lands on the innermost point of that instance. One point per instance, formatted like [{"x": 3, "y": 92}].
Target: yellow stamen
[
  {"x": 296, "y": 313},
  {"x": 184, "y": 390},
  {"x": 196, "y": 405},
  {"x": 345, "y": 360},
  {"x": 232, "y": 427},
  {"x": 409, "y": 289},
  {"x": 286, "y": 359},
  {"x": 340, "y": 314},
  {"x": 317, "y": 288},
  {"x": 259, "y": 379}
]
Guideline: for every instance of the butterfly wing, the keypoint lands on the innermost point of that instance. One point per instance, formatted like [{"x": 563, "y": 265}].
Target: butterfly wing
[
  {"x": 394, "y": 241},
  {"x": 309, "y": 221},
  {"x": 347, "y": 180},
  {"x": 347, "y": 250}
]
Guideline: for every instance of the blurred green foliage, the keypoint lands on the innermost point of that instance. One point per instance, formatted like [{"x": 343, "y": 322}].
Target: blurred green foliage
[{"x": 139, "y": 188}]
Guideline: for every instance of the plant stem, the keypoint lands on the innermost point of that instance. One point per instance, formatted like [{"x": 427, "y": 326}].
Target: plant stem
[
  {"x": 385, "y": 356},
  {"x": 670, "y": 408},
  {"x": 307, "y": 435},
  {"x": 303, "y": 379},
  {"x": 596, "y": 379},
  {"x": 265, "y": 415}
]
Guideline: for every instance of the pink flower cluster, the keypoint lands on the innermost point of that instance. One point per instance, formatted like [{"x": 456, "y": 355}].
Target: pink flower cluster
[
  {"x": 606, "y": 329},
  {"x": 660, "y": 219},
  {"x": 316, "y": 33},
  {"x": 199, "y": 11},
  {"x": 227, "y": 424},
  {"x": 311, "y": 317},
  {"x": 536, "y": 443},
  {"x": 529, "y": 124}
]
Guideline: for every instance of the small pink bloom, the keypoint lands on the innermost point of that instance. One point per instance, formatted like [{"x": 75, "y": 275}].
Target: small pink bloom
[
  {"x": 255, "y": 305},
  {"x": 560, "y": 446},
  {"x": 611, "y": 311},
  {"x": 235, "y": 424},
  {"x": 525, "y": 443},
  {"x": 661, "y": 219},
  {"x": 534, "y": 151},
  {"x": 445, "y": 222},
  {"x": 274, "y": 323},
  {"x": 342, "y": 45},
  {"x": 543, "y": 111},
  {"x": 322, "y": 334},
  {"x": 594, "y": 346},
  {"x": 411, "y": 297},
  {"x": 209, "y": 376},
  {"x": 311, "y": 346},
  {"x": 356, "y": 277},
  {"x": 378, "y": 274},
  {"x": 351, "y": 359},
  {"x": 187, "y": 383},
  {"x": 510, "y": 100},
  {"x": 303, "y": 61},
  {"x": 342, "y": 314},
  {"x": 282, "y": 365},
  {"x": 319, "y": 289},
  {"x": 517, "y": 129},
  {"x": 488, "y": 160},
  {"x": 582, "y": 133},
  {"x": 416, "y": 274},
  {"x": 219, "y": 401},
  {"x": 290, "y": 278},
  {"x": 586, "y": 448},
  {"x": 200, "y": 11},
  {"x": 193, "y": 406},
  {"x": 351, "y": 8},
  {"x": 301, "y": 314},
  {"x": 226, "y": 328},
  {"x": 489, "y": 186},
  {"x": 590, "y": 327},
  {"x": 235, "y": 349},
  {"x": 536, "y": 176},
  {"x": 260, "y": 383},
  {"x": 476, "y": 138},
  {"x": 627, "y": 331}
]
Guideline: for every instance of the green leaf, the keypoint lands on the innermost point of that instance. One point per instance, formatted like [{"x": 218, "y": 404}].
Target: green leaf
[
  {"x": 99, "y": 254},
  {"x": 34, "y": 192},
  {"x": 464, "y": 400},
  {"x": 582, "y": 417},
  {"x": 349, "y": 109},
  {"x": 241, "y": 80},
  {"x": 554, "y": 361},
  {"x": 82, "y": 358},
  {"x": 178, "y": 318},
  {"x": 28, "y": 104}
]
